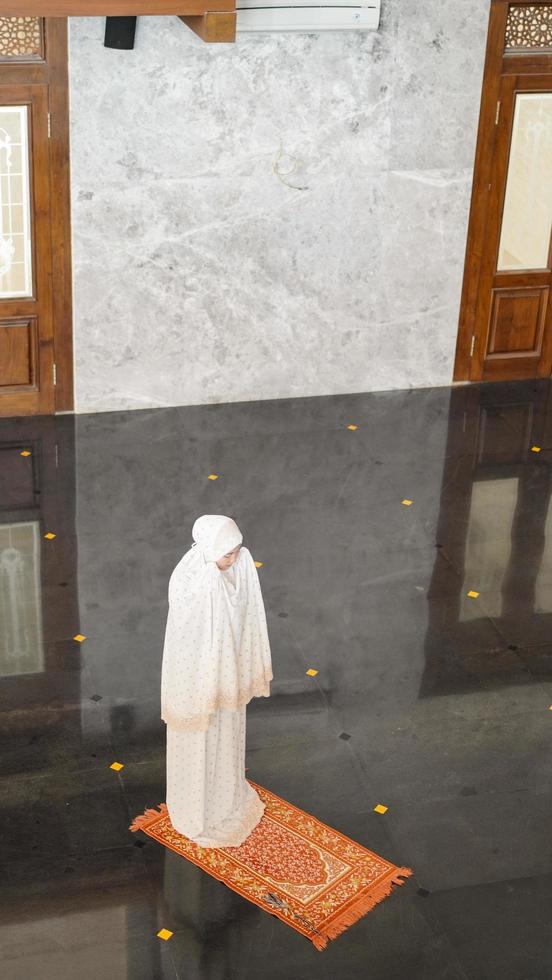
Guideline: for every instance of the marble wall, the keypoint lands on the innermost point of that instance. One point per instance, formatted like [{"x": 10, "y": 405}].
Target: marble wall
[{"x": 284, "y": 216}]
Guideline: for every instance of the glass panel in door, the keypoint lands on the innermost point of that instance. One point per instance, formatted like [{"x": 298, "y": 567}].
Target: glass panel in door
[
  {"x": 15, "y": 203},
  {"x": 527, "y": 216}
]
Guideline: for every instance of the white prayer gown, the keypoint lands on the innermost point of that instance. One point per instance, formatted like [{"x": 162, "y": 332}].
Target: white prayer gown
[
  {"x": 208, "y": 797},
  {"x": 216, "y": 657}
]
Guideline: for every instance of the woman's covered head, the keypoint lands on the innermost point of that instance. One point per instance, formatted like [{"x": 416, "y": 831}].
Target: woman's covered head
[{"x": 219, "y": 539}]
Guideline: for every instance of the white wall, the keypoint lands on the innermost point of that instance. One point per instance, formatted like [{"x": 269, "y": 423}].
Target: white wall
[{"x": 283, "y": 216}]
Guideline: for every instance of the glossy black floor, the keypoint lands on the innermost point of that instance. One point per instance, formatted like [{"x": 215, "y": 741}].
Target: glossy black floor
[{"x": 445, "y": 698}]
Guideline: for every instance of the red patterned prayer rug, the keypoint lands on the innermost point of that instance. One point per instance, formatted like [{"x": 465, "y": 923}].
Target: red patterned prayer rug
[{"x": 313, "y": 878}]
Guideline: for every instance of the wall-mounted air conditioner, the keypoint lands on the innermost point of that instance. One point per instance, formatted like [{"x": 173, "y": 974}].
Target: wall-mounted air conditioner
[{"x": 308, "y": 16}]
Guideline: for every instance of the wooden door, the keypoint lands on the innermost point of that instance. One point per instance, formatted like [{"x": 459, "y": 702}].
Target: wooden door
[
  {"x": 26, "y": 340},
  {"x": 514, "y": 312},
  {"x": 506, "y": 313},
  {"x": 35, "y": 326}
]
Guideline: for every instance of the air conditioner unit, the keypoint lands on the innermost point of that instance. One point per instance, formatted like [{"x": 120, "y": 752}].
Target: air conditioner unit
[{"x": 307, "y": 16}]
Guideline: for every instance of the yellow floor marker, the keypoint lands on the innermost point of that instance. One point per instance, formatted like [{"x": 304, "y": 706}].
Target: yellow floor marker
[
  {"x": 407, "y": 502},
  {"x": 212, "y": 476},
  {"x": 117, "y": 766},
  {"x": 50, "y": 536},
  {"x": 535, "y": 449},
  {"x": 259, "y": 564},
  {"x": 472, "y": 594},
  {"x": 25, "y": 452},
  {"x": 311, "y": 672},
  {"x": 164, "y": 934},
  {"x": 353, "y": 428},
  {"x": 79, "y": 637},
  {"x": 380, "y": 808}
]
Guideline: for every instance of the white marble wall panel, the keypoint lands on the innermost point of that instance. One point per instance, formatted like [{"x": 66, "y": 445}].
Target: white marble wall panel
[
  {"x": 438, "y": 64},
  {"x": 284, "y": 216}
]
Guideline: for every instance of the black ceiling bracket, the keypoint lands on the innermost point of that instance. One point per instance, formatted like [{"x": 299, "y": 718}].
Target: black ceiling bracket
[{"x": 119, "y": 32}]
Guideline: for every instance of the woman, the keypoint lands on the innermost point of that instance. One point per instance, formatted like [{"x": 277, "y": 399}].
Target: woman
[{"x": 216, "y": 657}]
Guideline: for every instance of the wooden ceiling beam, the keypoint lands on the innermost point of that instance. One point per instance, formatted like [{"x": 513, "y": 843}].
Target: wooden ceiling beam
[
  {"x": 112, "y": 8},
  {"x": 214, "y": 26}
]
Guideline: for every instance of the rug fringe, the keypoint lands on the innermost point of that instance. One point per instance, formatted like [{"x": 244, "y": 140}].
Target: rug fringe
[
  {"x": 143, "y": 819},
  {"x": 363, "y": 905}
]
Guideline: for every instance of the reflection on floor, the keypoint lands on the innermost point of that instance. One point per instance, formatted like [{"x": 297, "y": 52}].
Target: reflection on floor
[{"x": 445, "y": 697}]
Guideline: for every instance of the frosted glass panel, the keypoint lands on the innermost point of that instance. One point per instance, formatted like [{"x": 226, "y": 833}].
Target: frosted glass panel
[
  {"x": 15, "y": 212},
  {"x": 527, "y": 218}
]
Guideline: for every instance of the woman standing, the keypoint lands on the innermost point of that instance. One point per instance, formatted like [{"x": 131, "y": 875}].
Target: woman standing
[{"x": 216, "y": 657}]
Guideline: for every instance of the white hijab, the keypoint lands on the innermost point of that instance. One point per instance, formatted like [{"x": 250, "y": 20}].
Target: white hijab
[{"x": 216, "y": 652}]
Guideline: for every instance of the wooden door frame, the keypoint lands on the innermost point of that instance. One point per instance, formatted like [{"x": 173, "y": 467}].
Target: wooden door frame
[
  {"x": 498, "y": 63},
  {"x": 60, "y": 210},
  {"x": 53, "y": 72},
  {"x": 60, "y": 189}
]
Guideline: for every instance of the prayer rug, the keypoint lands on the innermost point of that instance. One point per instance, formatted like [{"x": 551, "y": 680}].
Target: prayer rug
[{"x": 310, "y": 876}]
